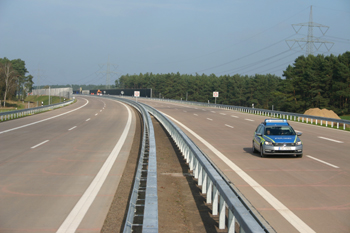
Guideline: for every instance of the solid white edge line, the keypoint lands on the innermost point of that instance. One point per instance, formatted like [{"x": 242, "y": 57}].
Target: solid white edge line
[
  {"x": 5, "y": 131},
  {"x": 329, "y": 139},
  {"x": 321, "y": 161},
  {"x": 71, "y": 223},
  {"x": 72, "y": 128},
  {"x": 294, "y": 220},
  {"x": 39, "y": 144}
]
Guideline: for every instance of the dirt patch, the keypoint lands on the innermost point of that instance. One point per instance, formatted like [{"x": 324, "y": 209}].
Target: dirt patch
[{"x": 322, "y": 113}]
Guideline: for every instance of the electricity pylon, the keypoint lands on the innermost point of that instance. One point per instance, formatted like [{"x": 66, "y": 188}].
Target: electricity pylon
[
  {"x": 311, "y": 41},
  {"x": 108, "y": 73}
]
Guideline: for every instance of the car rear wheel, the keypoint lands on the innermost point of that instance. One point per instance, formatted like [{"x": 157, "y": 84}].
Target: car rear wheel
[
  {"x": 253, "y": 147},
  {"x": 262, "y": 155}
]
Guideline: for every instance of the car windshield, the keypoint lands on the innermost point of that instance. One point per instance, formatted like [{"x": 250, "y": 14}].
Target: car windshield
[{"x": 279, "y": 130}]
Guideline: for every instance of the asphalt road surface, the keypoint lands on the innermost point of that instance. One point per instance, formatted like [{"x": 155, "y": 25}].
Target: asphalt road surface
[
  {"x": 309, "y": 194},
  {"x": 59, "y": 170}
]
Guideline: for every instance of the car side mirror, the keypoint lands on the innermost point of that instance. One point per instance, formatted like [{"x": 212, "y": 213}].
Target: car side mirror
[
  {"x": 258, "y": 134},
  {"x": 299, "y": 133}
]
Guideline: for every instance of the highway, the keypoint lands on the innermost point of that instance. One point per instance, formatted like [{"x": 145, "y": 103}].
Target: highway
[
  {"x": 309, "y": 194},
  {"x": 59, "y": 170}
]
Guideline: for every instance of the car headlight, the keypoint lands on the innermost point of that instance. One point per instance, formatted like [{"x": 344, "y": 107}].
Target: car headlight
[
  {"x": 268, "y": 143},
  {"x": 298, "y": 143}
]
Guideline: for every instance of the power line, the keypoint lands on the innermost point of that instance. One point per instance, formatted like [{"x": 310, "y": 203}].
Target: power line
[{"x": 108, "y": 73}]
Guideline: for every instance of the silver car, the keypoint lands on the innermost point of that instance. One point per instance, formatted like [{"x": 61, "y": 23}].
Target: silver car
[{"x": 277, "y": 137}]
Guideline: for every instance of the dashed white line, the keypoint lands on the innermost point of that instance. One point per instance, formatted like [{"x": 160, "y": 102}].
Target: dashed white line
[
  {"x": 321, "y": 161},
  {"x": 213, "y": 111},
  {"x": 223, "y": 114},
  {"x": 332, "y": 140},
  {"x": 96, "y": 114},
  {"x": 87, "y": 119},
  {"x": 72, "y": 128},
  {"x": 229, "y": 126},
  {"x": 249, "y": 120},
  {"x": 234, "y": 116},
  {"x": 195, "y": 114},
  {"x": 100, "y": 110},
  {"x": 39, "y": 144},
  {"x": 210, "y": 119}
]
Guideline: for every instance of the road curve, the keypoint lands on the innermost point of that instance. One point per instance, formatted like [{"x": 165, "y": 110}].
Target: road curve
[
  {"x": 50, "y": 160},
  {"x": 310, "y": 194}
]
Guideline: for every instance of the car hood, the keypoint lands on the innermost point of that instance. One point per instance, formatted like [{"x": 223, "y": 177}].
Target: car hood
[{"x": 282, "y": 139}]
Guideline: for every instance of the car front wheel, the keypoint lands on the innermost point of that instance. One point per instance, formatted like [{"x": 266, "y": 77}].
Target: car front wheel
[{"x": 262, "y": 155}]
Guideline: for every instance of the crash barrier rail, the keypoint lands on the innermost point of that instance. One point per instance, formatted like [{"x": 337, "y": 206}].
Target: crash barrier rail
[
  {"x": 30, "y": 111},
  {"x": 216, "y": 187},
  {"x": 143, "y": 205},
  {"x": 323, "y": 121}
]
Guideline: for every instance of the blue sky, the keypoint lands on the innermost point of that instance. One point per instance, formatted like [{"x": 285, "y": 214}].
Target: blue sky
[{"x": 67, "y": 42}]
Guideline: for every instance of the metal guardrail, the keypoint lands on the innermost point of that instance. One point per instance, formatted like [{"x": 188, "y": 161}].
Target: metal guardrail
[
  {"x": 144, "y": 194},
  {"x": 217, "y": 189},
  {"x": 30, "y": 111},
  {"x": 271, "y": 113}
]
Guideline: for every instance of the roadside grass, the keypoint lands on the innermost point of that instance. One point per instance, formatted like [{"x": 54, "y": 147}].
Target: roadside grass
[{"x": 346, "y": 117}]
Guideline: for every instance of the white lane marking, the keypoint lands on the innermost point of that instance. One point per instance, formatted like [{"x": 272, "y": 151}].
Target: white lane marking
[
  {"x": 249, "y": 120},
  {"x": 100, "y": 110},
  {"x": 209, "y": 119},
  {"x": 223, "y": 114},
  {"x": 195, "y": 114},
  {"x": 321, "y": 161},
  {"x": 204, "y": 110},
  {"x": 213, "y": 111},
  {"x": 80, "y": 209},
  {"x": 332, "y": 140},
  {"x": 234, "y": 116},
  {"x": 39, "y": 144},
  {"x": 229, "y": 126},
  {"x": 5, "y": 131},
  {"x": 185, "y": 111},
  {"x": 88, "y": 119},
  {"x": 72, "y": 128},
  {"x": 96, "y": 114},
  {"x": 282, "y": 209}
]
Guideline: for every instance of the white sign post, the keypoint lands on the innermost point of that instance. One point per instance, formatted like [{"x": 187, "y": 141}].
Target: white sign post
[
  {"x": 215, "y": 95},
  {"x": 136, "y": 94},
  {"x": 122, "y": 92}
]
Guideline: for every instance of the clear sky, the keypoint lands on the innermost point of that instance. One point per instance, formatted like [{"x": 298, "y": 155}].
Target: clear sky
[{"x": 70, "y": 41}]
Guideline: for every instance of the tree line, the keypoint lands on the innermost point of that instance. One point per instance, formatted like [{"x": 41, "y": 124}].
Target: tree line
[
  {"x": 312, "y": 81},
  {"x": 13, "y": 79}
]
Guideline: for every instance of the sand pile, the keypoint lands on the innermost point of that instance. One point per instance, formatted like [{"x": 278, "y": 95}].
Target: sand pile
[{"x": 321, "y": 113}]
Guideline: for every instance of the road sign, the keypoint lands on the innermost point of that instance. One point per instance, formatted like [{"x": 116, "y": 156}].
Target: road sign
[
  {"x": 215, "y": 94},
  {"x": 136, "y": 93}
]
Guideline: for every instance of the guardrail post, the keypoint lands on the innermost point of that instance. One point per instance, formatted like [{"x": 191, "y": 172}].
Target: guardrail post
[
  {"x": 209, "y": 191},
  {"x": 200, "y": 175},
  {"x": 215, "y": 201},
  {"x": 231, "y": 222},
  {"x": 222, "y": 213},
  {"x": 344, "y": 126},
  {"x": 337, "y": 125},
  {"x": 332, "y": 124},
  {"x": 204, "y": 183}
]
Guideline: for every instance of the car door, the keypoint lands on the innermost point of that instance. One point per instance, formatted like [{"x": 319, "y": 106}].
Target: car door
[{"x": 257, "y": 139}]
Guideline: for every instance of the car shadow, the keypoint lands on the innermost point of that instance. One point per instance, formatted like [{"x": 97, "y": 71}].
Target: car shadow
[{"x": 249, "y": 150}]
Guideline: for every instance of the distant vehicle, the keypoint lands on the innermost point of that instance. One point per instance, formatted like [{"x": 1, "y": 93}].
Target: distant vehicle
[
  {"x": 99, "y": 92},
  {"x": 277, "y": 137}
]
